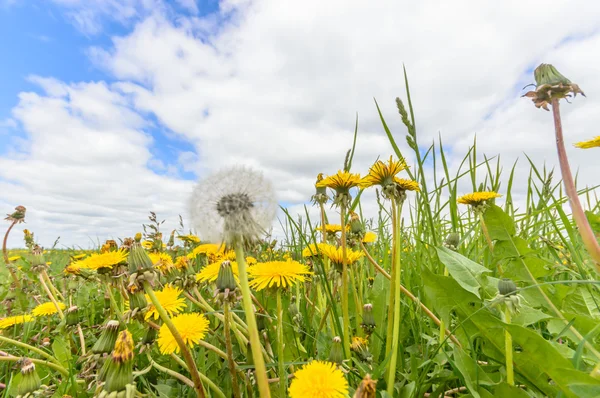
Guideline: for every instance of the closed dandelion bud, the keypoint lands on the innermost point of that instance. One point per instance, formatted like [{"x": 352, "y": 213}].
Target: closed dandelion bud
[
  {"x": 360, "y": 347},
  {"x": 138, "y": 259},
  {"x": 226, "y": 280},
  {"x": 368, "y": 323},
  {"x": 30, "y": 381},
  {"x": 72, "y": 316},
  {"x": 452, "y": 241},
  {"x": 336, "y": 355},
  {"x": 138, "y": 237},
  {"x": 37, "y": 257},
  {"x": 507, "y": 287},
  {"x": 551, "y": 84},
  {"x": 106, "y": 341},
  {"x": 137, "y": 301},
  {"x": 149, "y": 336},
  {"x": 171, "y": 241},
  {"x": 249, "y": 359}
]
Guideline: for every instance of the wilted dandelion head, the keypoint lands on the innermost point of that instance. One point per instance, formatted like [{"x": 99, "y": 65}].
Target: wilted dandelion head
[{"x": 234, "y": 204}]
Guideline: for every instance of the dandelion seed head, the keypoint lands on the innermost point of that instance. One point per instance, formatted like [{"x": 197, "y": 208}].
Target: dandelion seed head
[{"x": 237, "y": 203}]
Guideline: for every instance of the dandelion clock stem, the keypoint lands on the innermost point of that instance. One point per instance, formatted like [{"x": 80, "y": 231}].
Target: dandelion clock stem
[
  {"x": 230, "y": 361},
  {"x": 259, "y": 363},
  {"x": 187, "y": 355}
]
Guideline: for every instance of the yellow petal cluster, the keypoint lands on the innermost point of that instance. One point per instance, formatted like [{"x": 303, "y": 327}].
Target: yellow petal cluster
[
  {"x": 277, "y": 274},
  {"x": 477, "y": 198},
  {"x": 319, "y": 379},
  {"x": 192, "y": 328},
  {"x": 169, "y": 298},
  {"x": 47, "y": 309}
]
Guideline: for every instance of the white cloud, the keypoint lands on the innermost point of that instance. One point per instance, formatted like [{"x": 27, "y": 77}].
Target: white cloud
[{"x": 277, "y": 85}]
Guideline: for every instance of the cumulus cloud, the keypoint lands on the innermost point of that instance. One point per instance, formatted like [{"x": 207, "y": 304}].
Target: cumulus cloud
[{"x": 277, "y": 85}]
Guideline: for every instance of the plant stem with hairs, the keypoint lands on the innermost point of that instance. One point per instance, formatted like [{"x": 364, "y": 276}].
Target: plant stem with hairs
[
  {"x": 280, "y": 346},
  {"x": 10, "y": 268},
  {"x": 585, "y": 230}
]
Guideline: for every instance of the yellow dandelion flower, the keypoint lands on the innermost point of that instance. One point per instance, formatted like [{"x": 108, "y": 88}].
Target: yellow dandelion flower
[
  {"x": 162, "y": 261},
  {"x": 211, "y": 271},
  {"x": 333, "y": 228},
  {"x": 15, "y": 320},
  {"x": 342, "y": 181},
  {"x": 208, "y": 249},
  {"x": 182, "y": 262},
  {"x": 595, "y": 142},
  {"x": 14, "y": 258},
  {"x": 311, "y": 250},
  {"x": 228, "y": 255},
  {"x": 319, "y": 379},
  {"x": 335, "y": 254},
  {"x": 358, "y": 343},
  {"x": 192, "y": 328},
  {"x": 123, "y": 350},
  {"x": 103, "y": 260},
  {"x": 47, "y": 309},
  {"x": 477, "y": 198},
  {"x": 277, "y": 273},
  {"x": 170, "y": 300},
  {"x": 407, "y": 185},
  {"x": 383, "y": 173},
  {"x": 189, "y": 238},
  {"x": 78, "y": 256},
  {"x": 72, "y": 269},
  {"x": 251, "y": 260},
  {"x": 369, "y": 237}
]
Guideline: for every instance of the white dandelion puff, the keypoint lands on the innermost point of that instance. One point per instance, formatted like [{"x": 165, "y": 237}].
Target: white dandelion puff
[{"x": 233, "y": 204}]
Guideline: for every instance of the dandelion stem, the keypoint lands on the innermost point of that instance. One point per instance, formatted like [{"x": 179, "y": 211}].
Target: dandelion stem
[
  {"x": 230, "y": 360},
  {"x": 51, "y": 296},
  {"x": 390, "y": 315},
  {"x": 280, "y": 346},
  {"x": 485, "y": 231},
  {"x": 81, "y": 339},
  {"x": 185, "y": 351},
  {"x": 510, "y": 374},
  {"x": 585, "y": 230},
  {"x": 30, "y": 348},
  {"x": 255, "y": 345},
  {"x": 345, "y": 293},
  {"x": 113, "y": 303},
  {"x": 9, "y": 266},
  {"x": 52, "y": 287},
  {"x": 51, "y": 365},
  {"x": 397, "y": 207}
]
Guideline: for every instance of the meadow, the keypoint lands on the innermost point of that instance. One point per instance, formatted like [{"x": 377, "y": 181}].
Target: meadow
[{"x": 443, "y": 293}]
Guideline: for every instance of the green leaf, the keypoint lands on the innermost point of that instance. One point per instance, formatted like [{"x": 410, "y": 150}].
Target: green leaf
[
  {"x": 505, "y": 390},
  {"x": 499, "y": 224},
  {"x": 473, "y": 374},
  {"x": 594, "y": 220},
  {"x": 528, "y": 316},
  {"x": 582, "y": 302},
  {"x": 61, "y": 352},
  {"x": 466, "y": 272}
]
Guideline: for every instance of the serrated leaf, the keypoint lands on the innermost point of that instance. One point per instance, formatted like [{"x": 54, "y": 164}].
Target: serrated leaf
[
  {"x": 61, "y": 352},
  {"x": 466, "y": 272}
]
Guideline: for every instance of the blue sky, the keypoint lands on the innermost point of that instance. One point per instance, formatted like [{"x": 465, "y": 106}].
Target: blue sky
[{"x": 40, "y": 40}]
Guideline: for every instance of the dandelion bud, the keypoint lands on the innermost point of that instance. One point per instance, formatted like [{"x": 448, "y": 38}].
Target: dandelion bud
[
  {"x": 336, "y": 355},
  {"x": 507, "y": 287},
  {"x": 18, "y": 216},
  {"x": 452, "y": 241},
  {"x": 37, "y": 258},
  {"x": 138, "y": 258},
  {"x": 368, "y": 323},
  {"x": 171, "y": 241},
  {"x": 72, "y": 316},
  {"x": 356, "y": 226},
  {"x": 30, "y": 381},
  {"x": 367, "y": 388},
  {"x": 225, "y": 279},
  {"x": 359, "y": 346},
  {"x": 551, "y": 84},
  {"x": 119, "y": 372},
  {"x": 107, "y": 339},
  {"x": 149, "y": 336},
  {"x": 137, "y": 301}
]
